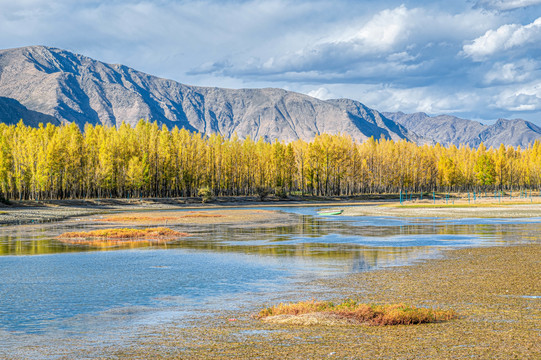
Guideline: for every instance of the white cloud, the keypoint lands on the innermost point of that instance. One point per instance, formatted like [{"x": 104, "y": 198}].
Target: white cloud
[
  {"x": 504, "y": 38},
  {"x": 389, "y": 56},
  {"x": 386, "y": 29},
  {"x": 509, "y": 73},
  {"x": 433, "y": 101},
  {"x": 390, "y": 43},
  {"x": 507, "y": 4},
  {"x": 322, "y": 93},
  {"x": 519, "y": 102}
]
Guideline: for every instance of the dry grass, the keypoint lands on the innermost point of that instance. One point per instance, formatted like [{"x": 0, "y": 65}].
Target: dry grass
[
  {"x": 123, "y": 234},
  {"x": 202, "y": 215},
  {"x": 149, "y": 218},
  {"x": 352, "y": 311},
  {"x": 121, "y": 237},
  {"x": 208, "y": 217}
]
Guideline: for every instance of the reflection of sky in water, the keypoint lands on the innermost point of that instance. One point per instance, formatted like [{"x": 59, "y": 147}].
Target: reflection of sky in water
[{"x": 77, "y": 290}]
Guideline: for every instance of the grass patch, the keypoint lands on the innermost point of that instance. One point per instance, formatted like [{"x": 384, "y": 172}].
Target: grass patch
[
  {"x": 123, "y": 234},
  {"x": 201, "y": 215},
  {"x": 352, "y": 311},
  {"x": 160, "y": 219}
]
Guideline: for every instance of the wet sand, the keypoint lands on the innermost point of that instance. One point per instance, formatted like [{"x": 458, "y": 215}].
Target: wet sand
[
  {"x": 456, "y": 210},
  {"x": 27, "y": 212},
  {"x": 36, "y": 212},
  {"x": 249, "y": 217},
  {"x": 495, "y": 290}
]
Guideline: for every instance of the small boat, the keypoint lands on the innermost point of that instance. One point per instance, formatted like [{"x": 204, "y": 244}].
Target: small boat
[{"x": 330, "y": 212}]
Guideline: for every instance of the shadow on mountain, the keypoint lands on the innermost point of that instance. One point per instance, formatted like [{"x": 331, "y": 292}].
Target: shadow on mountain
[{"x": 12, "y": 111}]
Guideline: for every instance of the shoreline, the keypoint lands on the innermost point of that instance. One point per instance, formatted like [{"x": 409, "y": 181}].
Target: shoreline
[
  {"x": 28, "y": 212},
  {"x": 497, "y": 303}
]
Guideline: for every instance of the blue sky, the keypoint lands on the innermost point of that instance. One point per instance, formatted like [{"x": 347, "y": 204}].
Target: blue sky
[{"x": 479, "y": 59}]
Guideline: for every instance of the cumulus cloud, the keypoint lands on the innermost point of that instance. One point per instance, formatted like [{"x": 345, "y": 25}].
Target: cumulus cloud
[
  {"x": 506, "y": 37},
  {"x": 391, "y": 45},
  {"x": 387, "y": 55}
]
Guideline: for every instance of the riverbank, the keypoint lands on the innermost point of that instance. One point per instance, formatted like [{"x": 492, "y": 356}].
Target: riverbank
[
  {"x": 456, "y": 210},
  {"x": 25, "y": 212},
  {"x": 496, "y": 292}
]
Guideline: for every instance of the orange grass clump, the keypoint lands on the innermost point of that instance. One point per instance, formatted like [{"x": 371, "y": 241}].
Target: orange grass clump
[
  {"x": 202, "y": 216},
  {"x": 123, "y": 234},
  {"x": 137, "y": 219},
  {"x": 396, "y": 314},
  {"x": 143, "y": 218}
]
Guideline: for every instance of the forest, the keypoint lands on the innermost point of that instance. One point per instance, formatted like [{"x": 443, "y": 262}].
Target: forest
[{"x": 59, "y": 162}]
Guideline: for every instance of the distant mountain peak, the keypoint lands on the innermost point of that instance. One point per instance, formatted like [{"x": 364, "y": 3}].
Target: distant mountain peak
[
  {"x": 69, "y": 87},
  {"x": 447, "y": 130}
]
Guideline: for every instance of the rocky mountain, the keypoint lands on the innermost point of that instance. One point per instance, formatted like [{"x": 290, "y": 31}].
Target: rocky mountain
[
  {"x": 47, "y": 85},
  {"x": 12, "y": 111},
  {"x": 446, "y": 130},
  {"x": 52, "y": 85}
]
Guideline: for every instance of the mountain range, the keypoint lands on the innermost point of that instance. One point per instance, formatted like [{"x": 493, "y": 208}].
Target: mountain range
[
  {"x": 446, "y": 130},
  {"x": 50, "y": 85}
]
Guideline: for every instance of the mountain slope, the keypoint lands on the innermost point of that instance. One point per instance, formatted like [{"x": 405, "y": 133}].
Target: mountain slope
[
  {"x": 74, "y": 88},
  {"x": 446, "y": 130},
  {"x": 12, "y": 111}
]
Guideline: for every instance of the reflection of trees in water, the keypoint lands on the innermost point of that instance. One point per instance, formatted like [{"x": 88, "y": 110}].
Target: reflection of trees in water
[
  {"x": 297, "y": 237},
  {"x": 13, "y": 246}
]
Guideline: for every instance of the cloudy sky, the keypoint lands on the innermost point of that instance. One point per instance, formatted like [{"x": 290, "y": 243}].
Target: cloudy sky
[{"x": 479, "y": 59}]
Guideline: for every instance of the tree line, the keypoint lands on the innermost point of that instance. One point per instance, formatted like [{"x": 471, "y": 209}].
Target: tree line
[{"x": 58, "y": 162}]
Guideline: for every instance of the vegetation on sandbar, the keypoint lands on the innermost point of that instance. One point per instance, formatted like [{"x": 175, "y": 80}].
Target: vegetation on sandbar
[
  {"x": 370, "y": 314},
  {"x": 159, "y": 233},
  {"x": 156, "y": 218}
]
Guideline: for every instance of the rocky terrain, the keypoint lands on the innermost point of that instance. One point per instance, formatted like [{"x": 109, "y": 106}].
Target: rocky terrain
[
  {"x": 66, "y": 87},
  {"x": 447, "y": 130},
  {"x": 47, "y": 85}
]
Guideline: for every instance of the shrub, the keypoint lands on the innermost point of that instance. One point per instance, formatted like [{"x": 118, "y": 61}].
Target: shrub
[
  {"x": 205, "y": 193},
  {"x": 3, "y": 200}
]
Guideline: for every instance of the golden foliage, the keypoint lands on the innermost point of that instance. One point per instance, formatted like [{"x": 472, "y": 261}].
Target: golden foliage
[{"x": 56, "y": 162}]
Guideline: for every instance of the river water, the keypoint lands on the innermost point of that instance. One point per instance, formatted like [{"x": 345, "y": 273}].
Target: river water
[{"x": 52, "y": 290}]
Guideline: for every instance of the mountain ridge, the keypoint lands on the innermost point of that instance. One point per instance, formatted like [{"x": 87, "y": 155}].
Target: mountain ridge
[
  {"x": 76, "y": 88},
  {"x": 451, "y": 130},
  {"x": 45, "y": 84}
]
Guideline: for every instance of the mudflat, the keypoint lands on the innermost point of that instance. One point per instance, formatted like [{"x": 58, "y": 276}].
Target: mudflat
[
  {"x": 28, "y": 212},
  {"x": 453, "y": 210},
  {"x": 495, "y": 291},
  {"x": 35, "y": 212}
]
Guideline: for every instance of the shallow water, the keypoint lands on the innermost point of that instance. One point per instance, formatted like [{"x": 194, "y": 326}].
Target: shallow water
[{"x": 51, "y": 290}]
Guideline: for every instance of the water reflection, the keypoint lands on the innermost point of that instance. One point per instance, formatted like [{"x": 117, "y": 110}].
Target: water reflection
[
  {"x": 302, "y": 235},
  {"x": 349, "y": 243},
  {"x": 39, "y": 293}
]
